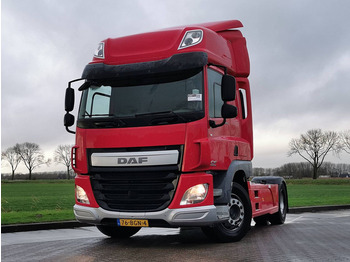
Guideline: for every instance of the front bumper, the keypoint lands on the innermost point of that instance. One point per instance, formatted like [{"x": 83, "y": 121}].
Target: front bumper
[{"x": 193, "y": 216}]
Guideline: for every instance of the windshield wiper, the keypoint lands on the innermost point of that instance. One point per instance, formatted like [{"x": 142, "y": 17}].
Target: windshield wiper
[
  {"x": 108, "y": 122},
  {"x": 170, "y": 113}
]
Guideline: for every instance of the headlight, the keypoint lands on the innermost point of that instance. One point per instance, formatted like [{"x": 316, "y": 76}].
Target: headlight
[
  {"x": 195, "y": 194},
  {"x": 81, "y": 195},
  {"x": 191, "y": 38}
]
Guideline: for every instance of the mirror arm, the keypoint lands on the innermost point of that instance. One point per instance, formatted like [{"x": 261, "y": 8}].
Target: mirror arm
[
  {"x": 69, "y": 131},
  {"x": 212, "y": 123},
  {"x": 75, "y": 80}
]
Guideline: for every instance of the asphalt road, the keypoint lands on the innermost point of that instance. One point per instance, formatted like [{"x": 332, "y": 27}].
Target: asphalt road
[{"x": 304, "y": 237}]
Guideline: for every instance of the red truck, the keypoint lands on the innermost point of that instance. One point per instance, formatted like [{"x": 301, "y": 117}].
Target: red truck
[{"x": 164, "y": 135}]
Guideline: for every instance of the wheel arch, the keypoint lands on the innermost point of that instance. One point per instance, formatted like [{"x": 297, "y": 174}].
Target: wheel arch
[
  {"x": 239, "y": 171},
  {"x": 240, "y": 178}
]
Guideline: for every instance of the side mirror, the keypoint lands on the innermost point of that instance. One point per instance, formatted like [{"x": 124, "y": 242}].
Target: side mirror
[
  {"x": 228, "y": 88},
  {"x": 69, "y": 105},
  {"x": 228, "y": 111},
  {"x": 69, "y": 101},
  {"x": 69, "y": 121}
]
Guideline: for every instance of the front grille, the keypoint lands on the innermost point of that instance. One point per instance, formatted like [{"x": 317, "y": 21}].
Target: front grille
[{"x": 134, "y": 191}]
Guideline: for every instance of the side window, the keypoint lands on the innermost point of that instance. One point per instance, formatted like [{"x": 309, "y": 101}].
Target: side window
[
  {"x": 243, "y": 98},
  {"x": 98, "y": 101},
  {"x": 214, "y": 93}
]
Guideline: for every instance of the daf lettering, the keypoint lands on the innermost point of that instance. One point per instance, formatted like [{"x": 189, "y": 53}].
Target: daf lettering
[{"x": 132, "y": 160}]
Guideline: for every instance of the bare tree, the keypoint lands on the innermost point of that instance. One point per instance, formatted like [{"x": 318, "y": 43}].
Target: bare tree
[
  {"x": 31, "y": 156},
  {"x": 62, "y": 156},
  {"x": 345, "y": 141},
  {"x": 11, "y": 156},
  {"x": 314, "y": 146}
]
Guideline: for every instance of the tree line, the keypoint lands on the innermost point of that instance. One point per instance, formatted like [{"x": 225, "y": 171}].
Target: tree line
[
  {"x": 31, "y": 155},
  {"x": 304, "y": 170},
  {"x": 313, "y": 146}
]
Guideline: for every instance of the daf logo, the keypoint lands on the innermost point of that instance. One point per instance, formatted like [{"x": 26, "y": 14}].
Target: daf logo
[{"x": 132, "y": 160}]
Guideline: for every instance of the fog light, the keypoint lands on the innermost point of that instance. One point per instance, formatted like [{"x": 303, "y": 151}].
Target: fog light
[
  {"x": 195, "y": 194},
  {"x": 81, "y": 195}
]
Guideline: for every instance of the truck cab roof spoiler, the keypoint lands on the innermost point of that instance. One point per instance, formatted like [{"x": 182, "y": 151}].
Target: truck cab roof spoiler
[{"x": 221, "y": 25}]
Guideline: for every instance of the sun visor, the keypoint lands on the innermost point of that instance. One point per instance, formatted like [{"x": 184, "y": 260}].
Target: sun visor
[{"x": 176, "y": 63}]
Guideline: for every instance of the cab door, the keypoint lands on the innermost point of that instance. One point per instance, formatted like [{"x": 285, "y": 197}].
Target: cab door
[{"x": 222, "y": 139}]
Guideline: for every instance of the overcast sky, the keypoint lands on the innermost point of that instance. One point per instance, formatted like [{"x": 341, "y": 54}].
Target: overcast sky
[{"x": 299, "y": 54}]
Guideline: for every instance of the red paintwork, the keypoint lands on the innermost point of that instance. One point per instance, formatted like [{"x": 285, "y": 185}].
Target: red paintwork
[
  {"x": 84, "y": 182},
  {"x": 189, "y": 180},
  {"x": 229, "y": 50},
  {"x": 205, "y": 148},
  {"x": 264, "y": 198},
  {"x": 246, "y": 125},
  {"x": 125, "y": 137}
]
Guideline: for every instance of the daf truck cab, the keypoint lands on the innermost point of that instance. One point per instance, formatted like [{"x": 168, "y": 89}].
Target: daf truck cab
[{"x": 164, "y": 135}]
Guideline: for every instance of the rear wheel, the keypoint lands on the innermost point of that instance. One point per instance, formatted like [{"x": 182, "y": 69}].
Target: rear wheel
[
  {"x": 261, "y": 221},
  {"x": 118, "y": 232},
  {"x": 279, "y": 217},
  {"x": 240, "y": 217}
]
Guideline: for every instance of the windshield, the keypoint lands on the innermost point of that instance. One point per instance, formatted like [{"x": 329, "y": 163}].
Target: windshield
[{"x": 140, "y": 102}]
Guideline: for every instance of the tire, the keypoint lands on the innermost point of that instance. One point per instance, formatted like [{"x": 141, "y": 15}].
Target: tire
[
  {"x": 118, "y": 232},
  {"x": 240, "y": 218},
  {"x": 261, "y": 221},
  {"x": 279, "y": 217}
]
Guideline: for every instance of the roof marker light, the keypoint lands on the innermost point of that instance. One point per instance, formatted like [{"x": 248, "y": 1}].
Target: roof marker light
[
  {"x": 191, "y": 38},
  {"x": 100, "y": 51}
]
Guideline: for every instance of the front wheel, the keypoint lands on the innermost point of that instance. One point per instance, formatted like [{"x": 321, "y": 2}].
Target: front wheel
[
  {"x": 240, "y": 218},
  {"x": 118, "y": 232}
]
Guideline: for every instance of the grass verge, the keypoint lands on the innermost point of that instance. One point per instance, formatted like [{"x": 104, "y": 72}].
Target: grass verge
[
  {"x": 319, "y": 192},
  {"x": 47, "y": 201},
  {"x": 36, "y": 201}
]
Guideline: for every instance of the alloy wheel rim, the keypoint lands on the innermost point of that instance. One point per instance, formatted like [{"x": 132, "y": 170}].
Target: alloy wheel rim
[{"x": 236, "y": 210}]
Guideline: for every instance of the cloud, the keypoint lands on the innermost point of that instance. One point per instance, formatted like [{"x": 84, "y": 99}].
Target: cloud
[{"x": 299, "y": 53}]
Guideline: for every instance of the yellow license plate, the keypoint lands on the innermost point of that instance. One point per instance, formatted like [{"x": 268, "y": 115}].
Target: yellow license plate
[{"x": 133, "y": 222}]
